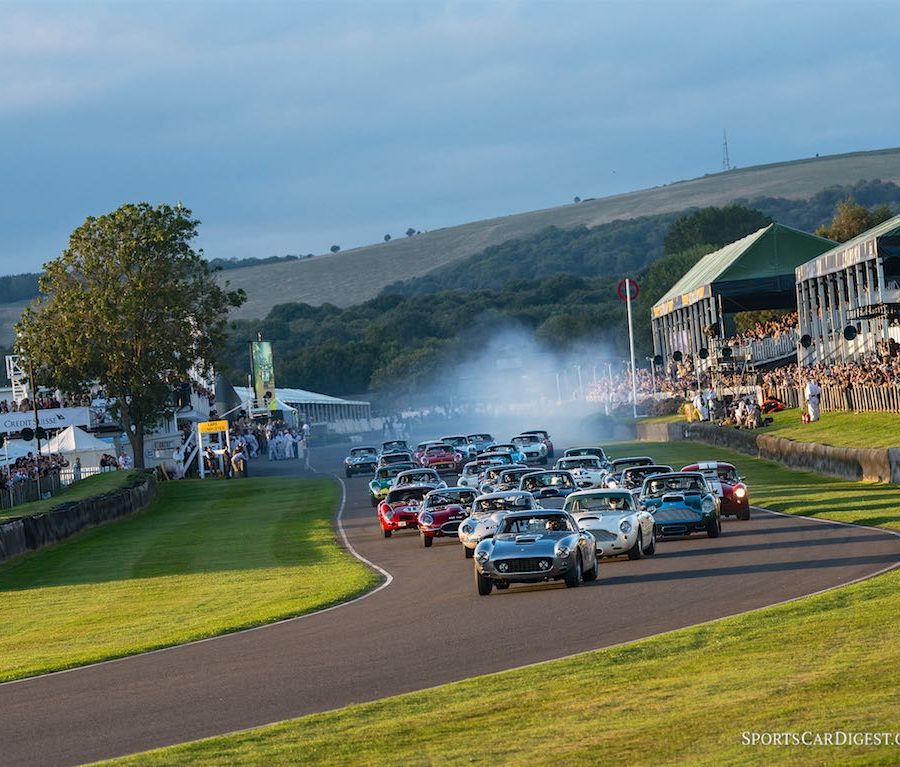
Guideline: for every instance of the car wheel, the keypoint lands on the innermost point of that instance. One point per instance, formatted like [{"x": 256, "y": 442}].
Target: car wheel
[
  {"x": 387, "y": 533},
  {"x": 348, "y": 472},
  {"x": 744, "y": 514},
  {"x": 484, "y": 584},
  {"x": 427, "y": 540},
  {"x": 468, "y": 552},
  {"x": 573, "y": 577},
  {"x": 714, "y": 528},
  {"x": 501, "y": 586},
  {"x": 591, "y": 575},
  {"x": 651, "y": 549},
  {"x": 373, "y": 500},
  {"x": 637, "y": 551}
]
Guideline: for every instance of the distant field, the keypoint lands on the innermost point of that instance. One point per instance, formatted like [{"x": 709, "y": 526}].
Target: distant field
[{"x": 356, "y": 275}]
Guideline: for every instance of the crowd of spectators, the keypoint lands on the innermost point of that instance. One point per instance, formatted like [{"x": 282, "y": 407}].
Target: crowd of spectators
[
  {"x": 51, "y": 401},
  {"x": 775, "y": 329},
  {"x": 30, "y": 467}
]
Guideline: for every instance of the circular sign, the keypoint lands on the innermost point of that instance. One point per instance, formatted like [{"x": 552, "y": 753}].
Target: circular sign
[
  {"x": 850, "y": 332},
  {"x": 658, "y": 360},
  {"x": 40, "y": 432},
  {"x": 634, "y": 289},
  {"x": 726, "y": 353},
  {"x": 704, "y": 353},
  {"x": 28, "y": 434},
  {"x": 677, "y": 356},
  {"x": 806, "y": 341}
]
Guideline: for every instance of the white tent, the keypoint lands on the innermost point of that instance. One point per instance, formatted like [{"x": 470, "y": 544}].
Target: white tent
[
  {"x": 15, "y": 449},
  {"x": 73, "y": 443}
]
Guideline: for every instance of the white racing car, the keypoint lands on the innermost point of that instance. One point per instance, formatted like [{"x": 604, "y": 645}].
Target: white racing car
[
  {"x": 486, "y": 513},
  {"x": 588, "y": 470},
  {"x": 616, "y": 520}
]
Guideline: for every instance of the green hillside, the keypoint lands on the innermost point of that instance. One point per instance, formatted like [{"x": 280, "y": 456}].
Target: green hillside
[{"x": 356, "y": 275}]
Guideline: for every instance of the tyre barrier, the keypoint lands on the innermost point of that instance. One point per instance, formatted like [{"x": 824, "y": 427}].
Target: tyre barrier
[{"x": 29, "y": 533}]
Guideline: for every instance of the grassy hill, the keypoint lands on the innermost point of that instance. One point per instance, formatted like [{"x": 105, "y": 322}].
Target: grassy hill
[{"x": 356, "y": 275}]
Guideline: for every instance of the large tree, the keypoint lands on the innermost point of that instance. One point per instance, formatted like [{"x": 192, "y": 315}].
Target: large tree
[
  {"x": 851, "y": 219},
  {"x": 131, "y": 306}
]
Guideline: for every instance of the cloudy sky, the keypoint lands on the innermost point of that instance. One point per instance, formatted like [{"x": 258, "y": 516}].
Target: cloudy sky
[{"x": 290, "y": 126}]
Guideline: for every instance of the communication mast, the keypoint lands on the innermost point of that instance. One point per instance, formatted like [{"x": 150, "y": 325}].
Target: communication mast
[{"x": 726, "y": 162}]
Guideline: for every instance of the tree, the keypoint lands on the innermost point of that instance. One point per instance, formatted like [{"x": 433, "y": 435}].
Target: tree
[
  {"x": 387, "y": 238},
  {"x": 335, "y": 248},
  {"x": 851, "y": 219},
  {"x": 410, "y": 232},
  {"x": 131, "y": 306},
  {"x": 714, "y": 226}
]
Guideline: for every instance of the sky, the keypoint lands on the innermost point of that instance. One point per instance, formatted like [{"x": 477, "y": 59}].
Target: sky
[{"x": 287, "y": 127}]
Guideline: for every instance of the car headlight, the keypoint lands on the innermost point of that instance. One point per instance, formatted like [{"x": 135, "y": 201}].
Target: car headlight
[
  {"x": 708, "y": 506},
  {"x": 740, "y": 492},
  {"x": 388, "y": 514},
  {"x": 427, "y": 519},
  {"x": 482, "y": 556},
  {"x": 562, "y": 551},
  {"x": 612, "y": 483},
  {"x": 625, "y": 526},
  {"x": 467, "y": 529}
]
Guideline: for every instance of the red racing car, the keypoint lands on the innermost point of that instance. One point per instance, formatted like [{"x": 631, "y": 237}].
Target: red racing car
[
  {"x": 723, "y": 479},
  {"x": 443, "y": 512},
  {"x": 400, "y": 508},
  {"x": 441, "y": 457}
]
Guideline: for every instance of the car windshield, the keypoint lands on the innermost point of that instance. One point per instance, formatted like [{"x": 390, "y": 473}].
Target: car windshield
[
  {"x": 526, "y": 439},
  {"x": 475, "y": 467},
  {"x": 504, "y": 503},
  {"x": 550, "y": 479},
  {"x": 625, "y": 463},
  {"x": 579, "y": 463},
  {"x": 437, "y": 450},
  {"x": 386, "y": 472},
  {"x": 688, "y": 483},
  {"x": 638, "y": 474},
  {"x": 455, "y": 441},
  {"x": 395, "y": 458},
  {"x": 514, "y": 475},
  {"x": 413, "y": 495},
  {"x": 492, "y": 473},
  {"x": 539, "y": 523},
  {"x": 389, "y": 447},
  {"x": 414, "y": 477},
  {"x": 606, "y": 502},
  {"x": 479, "y": 438},
  {"x": 461, "y": 497},
  {"x": 499, "y": 458},
  {"x": 727, "y": 475},
  {"x": 598, "y": 451},
  {"x": 361, "y": 451}
]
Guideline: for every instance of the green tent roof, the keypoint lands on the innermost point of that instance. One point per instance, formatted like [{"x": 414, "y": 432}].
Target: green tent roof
[{"x": 762, "y": 261}]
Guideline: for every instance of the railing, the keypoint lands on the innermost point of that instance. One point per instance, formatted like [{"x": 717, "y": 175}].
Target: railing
[
  {"x": 861, "y": 399},
  {"x": 764, "y": 350}
]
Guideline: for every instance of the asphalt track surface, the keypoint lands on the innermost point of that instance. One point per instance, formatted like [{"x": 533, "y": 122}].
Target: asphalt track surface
[{"x": 427, "y": 626}]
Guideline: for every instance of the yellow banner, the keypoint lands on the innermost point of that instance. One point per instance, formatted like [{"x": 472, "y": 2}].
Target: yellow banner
[{"x": 206, "y": 427}]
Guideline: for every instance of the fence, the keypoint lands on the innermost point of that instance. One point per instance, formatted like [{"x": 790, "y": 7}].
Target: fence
[
  {"x": 26, "y": 491},
  {"x": 768, "y": 349},
  {"x": 855, "y": 399}
]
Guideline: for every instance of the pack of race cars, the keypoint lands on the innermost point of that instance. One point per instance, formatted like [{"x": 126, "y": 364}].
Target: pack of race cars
[{"x": 524, "y": 521}]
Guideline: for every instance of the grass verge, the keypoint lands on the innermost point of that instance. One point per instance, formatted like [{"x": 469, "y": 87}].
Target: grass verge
[
  {"x": 99, "y": 484},
  {"x": 204, "y": 559},
  {"x": 685, "y": 697},
  {"x": 780, "y": 489},
  {"x": 839, "y": 429}
]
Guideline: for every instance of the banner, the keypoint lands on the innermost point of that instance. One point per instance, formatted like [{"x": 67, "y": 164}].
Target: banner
[
  {"x": 57, "y": 418},
  {"x": 263, "y": 371}
]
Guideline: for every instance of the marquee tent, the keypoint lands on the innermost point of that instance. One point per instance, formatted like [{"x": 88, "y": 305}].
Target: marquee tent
[{"x": 74, "y": 442}]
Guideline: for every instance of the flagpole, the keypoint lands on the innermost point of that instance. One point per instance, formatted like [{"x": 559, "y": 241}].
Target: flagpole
[{"x": 631, "y": 345}]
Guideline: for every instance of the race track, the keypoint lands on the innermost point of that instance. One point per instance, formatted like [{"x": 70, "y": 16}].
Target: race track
[{"x": 427, "y": 627}]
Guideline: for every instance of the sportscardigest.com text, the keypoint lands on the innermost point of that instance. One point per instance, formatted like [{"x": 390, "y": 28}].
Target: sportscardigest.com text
[{"x": 830, "y": 738}]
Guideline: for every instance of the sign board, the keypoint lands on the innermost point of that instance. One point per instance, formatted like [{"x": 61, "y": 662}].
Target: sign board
[
  {"x": 263, "y": 371},
  {"x": 210, "y": 427},
  {"x": 54, "y": 418}
]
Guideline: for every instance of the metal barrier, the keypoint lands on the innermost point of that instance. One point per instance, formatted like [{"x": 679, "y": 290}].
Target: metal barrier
[{"x": 26, "y": 491}]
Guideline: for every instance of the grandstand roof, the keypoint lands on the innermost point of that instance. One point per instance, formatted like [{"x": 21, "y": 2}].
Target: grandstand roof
[
  {"x": 860, "y": 248},
  {"x": 298, "y": 397},
  {"x": 746, "y": 271}
]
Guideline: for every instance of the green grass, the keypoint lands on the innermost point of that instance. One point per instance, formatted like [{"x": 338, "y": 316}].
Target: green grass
[
  {"x": 775, "y": 487},
  {"x": 684, "y": 697},
  {"x": 204, "y": 559},
  {"x": 99, "y": 484},
  {"x": 839, "y": 429}
]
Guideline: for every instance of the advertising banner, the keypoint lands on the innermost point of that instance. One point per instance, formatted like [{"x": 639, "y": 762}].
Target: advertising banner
[
  {"x": 57, "y": 418},
  {"x": 263, "y": 371}
]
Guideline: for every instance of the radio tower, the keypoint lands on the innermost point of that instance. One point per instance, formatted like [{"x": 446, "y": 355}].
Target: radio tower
[{"x": 726, "y": 163}]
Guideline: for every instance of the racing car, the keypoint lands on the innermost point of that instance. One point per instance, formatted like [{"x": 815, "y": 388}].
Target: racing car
[
  {"x": 361, "y": 460},
  {"x": 723, "y": 480},
  {"x": 443, "y": 511}
]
